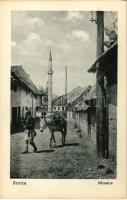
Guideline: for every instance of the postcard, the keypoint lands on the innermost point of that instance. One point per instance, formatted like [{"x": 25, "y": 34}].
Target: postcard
[{"x": 63, "y": 99}]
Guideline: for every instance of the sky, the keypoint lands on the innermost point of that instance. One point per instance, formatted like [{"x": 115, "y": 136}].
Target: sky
[{"x": 71, "y": 37}]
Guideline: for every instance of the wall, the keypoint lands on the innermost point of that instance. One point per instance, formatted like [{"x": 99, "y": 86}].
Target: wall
[
  {"x": 112, "y": 99},
  {"x": 112, "y": 94},
  {"x": 69, "y": 114},
  {"x": 88, "y": 128},
  {"x": 16, "y": 98},
  {"x": 81, "y": 121},
  {"x": 21, "y": 99},
  {"x": 81, "y": 118},
  {"x": 26, "y": 99},
  {"x": 58, "y": 108}
]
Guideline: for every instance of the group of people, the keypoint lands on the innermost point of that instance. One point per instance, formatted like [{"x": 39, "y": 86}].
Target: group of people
[{"x": 29, "y": 130}]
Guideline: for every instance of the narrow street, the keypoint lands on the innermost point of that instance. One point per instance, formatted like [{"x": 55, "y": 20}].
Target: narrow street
[{"x": 77, "y": 159}]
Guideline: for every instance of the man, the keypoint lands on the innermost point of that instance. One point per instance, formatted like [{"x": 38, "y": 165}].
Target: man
[{"x": 29, "y": 133}]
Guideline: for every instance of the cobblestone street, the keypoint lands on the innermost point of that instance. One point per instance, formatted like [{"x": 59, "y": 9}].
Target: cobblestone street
[{"x": 77, "y": 159}]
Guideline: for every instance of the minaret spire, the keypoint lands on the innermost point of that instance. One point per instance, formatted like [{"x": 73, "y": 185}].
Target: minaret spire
[{"x": 50, "y": 56}]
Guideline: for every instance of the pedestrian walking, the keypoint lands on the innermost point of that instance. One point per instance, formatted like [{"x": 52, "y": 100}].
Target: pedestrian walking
[{"x": 30, "y": 133}]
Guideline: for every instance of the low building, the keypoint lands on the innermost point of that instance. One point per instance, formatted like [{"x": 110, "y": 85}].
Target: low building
[
  {"x": 67, "y": 103},
  {"x": 84, "y": 114},
  {"x": 23, "y": 94},
  {"x": 75, "y": 100},
  {"x": 59, "y": 104}
]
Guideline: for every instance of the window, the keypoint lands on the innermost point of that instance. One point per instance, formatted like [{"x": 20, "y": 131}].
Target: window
[
  {"x": 63, "y": 108},
  {"x": 54, "y": 107},
  {"x": 58, "y": 108},
  {"x": 15, "y": 87},
  {"x": 12, "y": 85}
]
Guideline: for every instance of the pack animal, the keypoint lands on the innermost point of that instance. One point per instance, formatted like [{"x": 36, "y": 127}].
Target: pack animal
[{"x": 55, "y": 124}]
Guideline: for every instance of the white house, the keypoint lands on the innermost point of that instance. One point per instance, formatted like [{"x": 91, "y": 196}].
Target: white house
[{"x": 23, "y": 94}]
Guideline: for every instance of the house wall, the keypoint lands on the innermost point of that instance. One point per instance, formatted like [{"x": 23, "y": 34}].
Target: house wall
[
  {"x": 112, "y": 94},
  {"x": 58, "y": 108},
  {"x": 16, "y": 97},
  {"x": 81, "y": 118},
  {"x": 112, "y": 109},
  {"x": 112, "y": 131},
  {"x": 88, "y": 127},
  {"x": 81, "y": 121},
  {"x": 69, "y": 114},
  {"x": 21, "y": 99},
  {"x": 39, "y": 101}
]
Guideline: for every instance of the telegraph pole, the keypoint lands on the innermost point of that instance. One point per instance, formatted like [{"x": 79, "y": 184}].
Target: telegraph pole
[
  {"x": 66, "y": 96},
  {"x": 101, "y": 96},
  {"x": 66, "y": 86}
]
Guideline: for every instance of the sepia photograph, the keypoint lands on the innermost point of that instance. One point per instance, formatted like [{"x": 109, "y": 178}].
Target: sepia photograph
[{"x": 63, "y": 95}]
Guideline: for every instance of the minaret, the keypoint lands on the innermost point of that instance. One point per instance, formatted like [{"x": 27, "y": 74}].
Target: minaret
[{"x": 50, "y": 73}]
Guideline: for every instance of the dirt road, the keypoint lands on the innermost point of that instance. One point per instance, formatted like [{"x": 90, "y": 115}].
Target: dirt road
[{"x": 77, "y": 159}]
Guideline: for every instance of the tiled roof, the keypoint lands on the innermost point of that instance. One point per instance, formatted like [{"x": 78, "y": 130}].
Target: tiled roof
[
  {"x": 79, "y": 94},
  {"x": 91, "y": 94},
  {"x": 72, "y": 96},
  {"x": 24, "y": 77}
]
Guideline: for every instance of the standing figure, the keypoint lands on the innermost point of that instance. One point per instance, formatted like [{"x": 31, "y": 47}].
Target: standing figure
[{"x": 30, "y": 133}]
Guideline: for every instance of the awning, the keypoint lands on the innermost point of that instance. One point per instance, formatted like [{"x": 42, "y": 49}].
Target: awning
[{"x": 93, "y": 68}]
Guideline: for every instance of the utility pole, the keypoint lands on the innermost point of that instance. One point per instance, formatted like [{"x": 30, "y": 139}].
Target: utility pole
[
  {"x": 66, "y": 96},
  {"x": 102, "y": 129},
  {"x": 66, "y": 86}
]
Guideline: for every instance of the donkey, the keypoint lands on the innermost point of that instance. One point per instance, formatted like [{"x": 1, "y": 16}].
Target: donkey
[{"x": 55, "y": 123}]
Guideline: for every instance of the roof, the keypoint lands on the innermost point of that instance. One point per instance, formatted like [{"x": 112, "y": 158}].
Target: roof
[
  {"x": 20, "y": 73},
  {"x": 73, "y": 94},
  {"x": 91, "y": 94},
  {"x": 79, "y": 94},
  {"x": 103, "y": 55},
  {"x": 70, "y": 95},
  {"x": 81, "y": 106}
]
